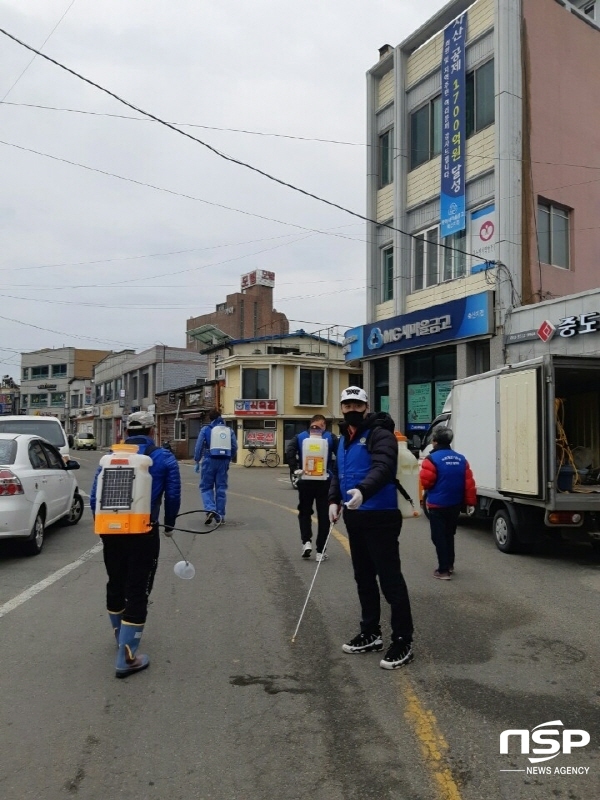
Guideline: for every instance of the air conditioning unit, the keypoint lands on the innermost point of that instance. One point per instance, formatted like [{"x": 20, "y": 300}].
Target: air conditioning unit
[{"x": 220, "y": 374}]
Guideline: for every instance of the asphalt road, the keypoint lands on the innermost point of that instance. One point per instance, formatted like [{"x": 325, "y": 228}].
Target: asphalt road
[{"x": 231, "y": 709}]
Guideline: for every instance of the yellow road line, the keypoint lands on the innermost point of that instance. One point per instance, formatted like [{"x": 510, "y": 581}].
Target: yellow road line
[{"x": 423, "y": 722}]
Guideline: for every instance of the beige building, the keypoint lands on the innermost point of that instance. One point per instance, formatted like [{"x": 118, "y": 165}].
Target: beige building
[{"x": 272, "y": 386}]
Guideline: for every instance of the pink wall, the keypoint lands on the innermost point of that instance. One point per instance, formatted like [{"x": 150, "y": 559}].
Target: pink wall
[{"x": 563, "y": 67}]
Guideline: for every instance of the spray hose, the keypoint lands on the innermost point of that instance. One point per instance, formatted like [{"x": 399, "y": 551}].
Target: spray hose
[{"x": 215, "y": 523}]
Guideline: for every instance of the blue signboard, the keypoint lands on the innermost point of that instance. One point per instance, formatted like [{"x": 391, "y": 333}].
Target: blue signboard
[
  {"x": 457, "y": 319},
  {"x": 353, "y": 344},
  {"x": 454, "y": 140}
]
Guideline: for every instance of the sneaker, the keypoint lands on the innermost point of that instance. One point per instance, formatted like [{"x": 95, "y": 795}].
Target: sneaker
[
  {"x": 307, "y": 550},
  {"x": 364, "y": 643},
  {"x": 398, "y": 654},
  {"x": 443, "y": 576},
  {"x": 321, "y": 557},
  {"x": 451, "y": 571},
  {"x": 209, "y": 518}
]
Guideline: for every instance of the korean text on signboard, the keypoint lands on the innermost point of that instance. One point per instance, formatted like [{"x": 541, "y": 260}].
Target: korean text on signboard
[
  {"x": 452, "y": 196},
  {"x": 255, "y": 408},
  {"x": 584, "y": 323},
  {"x": 258, "y": 438}
]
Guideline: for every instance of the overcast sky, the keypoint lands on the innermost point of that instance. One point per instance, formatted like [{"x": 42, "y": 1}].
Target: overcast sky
[{"x": 91, "y": 260}]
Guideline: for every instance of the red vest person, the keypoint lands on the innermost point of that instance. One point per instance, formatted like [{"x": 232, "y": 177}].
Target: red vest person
[{"x": 447, "y": 478}]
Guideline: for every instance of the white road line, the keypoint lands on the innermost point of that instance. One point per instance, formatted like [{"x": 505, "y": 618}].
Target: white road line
[{"x": 56, "y": 576}]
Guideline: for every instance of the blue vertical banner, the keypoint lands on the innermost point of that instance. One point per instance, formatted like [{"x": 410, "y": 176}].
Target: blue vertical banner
[{"x": 452, "y": 197}]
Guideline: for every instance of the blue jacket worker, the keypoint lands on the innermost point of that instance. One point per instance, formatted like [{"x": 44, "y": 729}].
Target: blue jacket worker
[
  {"x": 216, "y": 447},
  {"x": 364, "y": 481},
  {"x": 131, "y": 558},
  {"x": 313, "y": 491}
]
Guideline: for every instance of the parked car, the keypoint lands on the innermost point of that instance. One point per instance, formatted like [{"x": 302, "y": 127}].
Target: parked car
[
  {"x": 85, "y": 441},
  {"x": 49, "y": 428},
  {"x": 37, "y": 488}
]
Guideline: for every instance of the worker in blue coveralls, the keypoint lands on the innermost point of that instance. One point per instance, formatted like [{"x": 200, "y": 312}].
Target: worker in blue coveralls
[{"x": 216, "y": 447}]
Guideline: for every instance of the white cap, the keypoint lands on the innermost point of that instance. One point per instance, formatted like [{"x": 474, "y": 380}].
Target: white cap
[
  {"x": 140, "y": 420},
  {"x": 354, "y": 393}
]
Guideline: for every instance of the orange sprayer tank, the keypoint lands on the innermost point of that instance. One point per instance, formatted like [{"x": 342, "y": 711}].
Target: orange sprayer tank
[
  {"x": 408, "y": 475},
  {"x": 124, "y": 492}
]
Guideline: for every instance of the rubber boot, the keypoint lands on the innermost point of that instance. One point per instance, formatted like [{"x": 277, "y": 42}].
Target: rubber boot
[
  {"x": 127, "y": 660},
  {"x": 115, "y": 621}
]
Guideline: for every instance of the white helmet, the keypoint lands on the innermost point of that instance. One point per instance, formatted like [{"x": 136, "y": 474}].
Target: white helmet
[{"x": 354, "y": 393}]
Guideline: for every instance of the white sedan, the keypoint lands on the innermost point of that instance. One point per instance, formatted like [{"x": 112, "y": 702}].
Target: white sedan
[{"x": 37, "y": 488}]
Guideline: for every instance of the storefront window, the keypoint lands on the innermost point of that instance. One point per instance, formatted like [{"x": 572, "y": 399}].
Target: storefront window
[
  {"x": 428, "y": 379},
  {"x": 381, "y": 401}
]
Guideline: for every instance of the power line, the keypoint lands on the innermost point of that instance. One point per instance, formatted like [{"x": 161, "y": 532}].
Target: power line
[
  {"x": 42, "y": 45},
  {"x": 172, "y": 191},
  {"x": 214, "y": 150},
  {"x": 399, "y": 150}
]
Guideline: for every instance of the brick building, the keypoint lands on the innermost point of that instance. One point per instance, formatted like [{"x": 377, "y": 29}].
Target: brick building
[{"x": 244, "y": 315}]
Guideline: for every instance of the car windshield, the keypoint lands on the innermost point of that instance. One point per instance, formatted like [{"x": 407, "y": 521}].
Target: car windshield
[
  {"x": 8, "y": 451},
  {"x": 52, "y": 431}
]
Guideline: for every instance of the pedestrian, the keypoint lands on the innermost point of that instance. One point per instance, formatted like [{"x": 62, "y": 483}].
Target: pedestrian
[
  {"x": 364, "y": 480},
  {"x": 312, "y": 492},
  {"x": 216, "y": 447},
  {"x": 131, "y": 559},
  {"x": 447, "y": 478}
]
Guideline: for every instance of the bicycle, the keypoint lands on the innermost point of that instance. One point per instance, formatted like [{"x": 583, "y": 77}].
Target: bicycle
[{"x": 271, "y": 458}]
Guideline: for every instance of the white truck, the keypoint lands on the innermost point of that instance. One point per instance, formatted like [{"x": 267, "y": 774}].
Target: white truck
[{"x": 531, "y": 433}]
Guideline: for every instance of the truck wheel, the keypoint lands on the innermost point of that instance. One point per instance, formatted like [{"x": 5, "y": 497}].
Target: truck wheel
[{"x": 505, "y": 533}]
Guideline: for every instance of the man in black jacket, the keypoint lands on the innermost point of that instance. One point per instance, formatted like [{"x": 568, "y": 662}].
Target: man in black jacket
[{"x": 364, "y": 481}]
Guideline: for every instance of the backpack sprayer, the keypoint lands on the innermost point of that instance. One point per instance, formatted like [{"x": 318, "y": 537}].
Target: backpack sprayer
[{"x": 125, "y": 496}]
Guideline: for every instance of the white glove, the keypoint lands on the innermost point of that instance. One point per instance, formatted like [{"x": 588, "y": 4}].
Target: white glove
[
  {"x": 356, "y": 499},
  {"x": 334, "y": 513},
  {"x": 470, "y": 510},
  {"x": 298, "y": 472}
]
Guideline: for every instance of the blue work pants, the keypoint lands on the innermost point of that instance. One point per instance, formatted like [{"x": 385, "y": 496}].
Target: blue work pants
[{"x": 213, "y": 484}]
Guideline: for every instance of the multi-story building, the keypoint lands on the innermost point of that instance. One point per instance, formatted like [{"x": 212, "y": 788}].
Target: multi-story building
[
  {"x": 245, "y": 314},
  {"x": 128, "y": 381},
  {"x": 48, "y": 379},
  {"x": 272, "y": 385},
  {"x": 484, "y": 133},
  {"x": 9, "y": 396}
]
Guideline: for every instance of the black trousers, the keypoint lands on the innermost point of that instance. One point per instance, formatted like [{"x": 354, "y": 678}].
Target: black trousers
[
  {"x": 313, "y": 493},
  {"x": 443, "y": 522},
  {"x": 373, "y": 538},
  {"x": 131, "y": 561}
]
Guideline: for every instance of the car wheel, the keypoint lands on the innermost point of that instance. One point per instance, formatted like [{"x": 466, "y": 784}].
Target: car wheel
[
  {"x": 33, "y": 545},
  {"x": 505, "y": 533},
  {"x": 76, "y": 510}
]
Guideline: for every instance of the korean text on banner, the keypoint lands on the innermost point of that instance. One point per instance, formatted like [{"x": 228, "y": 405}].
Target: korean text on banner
[{"x": 452, "y": 197}]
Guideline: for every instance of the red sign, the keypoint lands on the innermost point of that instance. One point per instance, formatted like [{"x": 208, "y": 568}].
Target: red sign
[
  {"x": 255, "y": 408},
  {"x": 546, "y": 331},
  {"x": 259, "y": 438}
]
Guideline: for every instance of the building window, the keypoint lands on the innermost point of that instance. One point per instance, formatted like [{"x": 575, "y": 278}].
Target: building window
[
  {"x": 386, "y": 158},
  {"x": 455, "y": 260},
  {"x": 553, "y": 234},
  {"x": 145, "y": 384},
  {"x": 426, "y": 132},
  {"x": 76, "y": 401},
  {"x": 24, "y": 398},
  {"x": 387, "y": 274},
  {"x": 480, "y": 98},
  {"x": 381, "y": 380},
  {"x": 107, "y": 391},
  {"x": 59, "y": 370},
  {"x": 58, "y": 398},
  {"x": 134, "y": 388},
  {"x": 39, "y": 372},
  {"x": 180, "y": 429},
  {"x": 425, "y": 259},
  {"x": 255, "y": 384},
  {"x": 25, "y": 373},
  {"x": 38, "y": 400},
  {"x": 355, "y": 379},
  {"x": 312, "y": 387}
]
